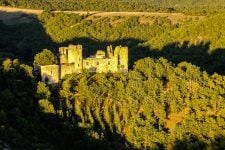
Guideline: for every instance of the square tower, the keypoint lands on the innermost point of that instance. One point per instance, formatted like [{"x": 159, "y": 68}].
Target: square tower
[
  {"x": 75, "y": 57},
  {"x": 120, "y": 58}
]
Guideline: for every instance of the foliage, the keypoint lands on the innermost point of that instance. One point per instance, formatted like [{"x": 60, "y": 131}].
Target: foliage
[
  {"x": 157, "y": 105},
  {"x": 200, "y": 42},
  {"x": 208, "y": 29},
  {"x": 23, "y": 40},
  {"x": 65, "y": 27},
  {"x": 28, "y": 119},
  {"x": 46, "y": 57},
  {"x": 187, "y": 6},
  {"x": 153, "y": 106}
]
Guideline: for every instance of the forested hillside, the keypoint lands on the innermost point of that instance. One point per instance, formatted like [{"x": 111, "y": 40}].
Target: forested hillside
[
  {"x": 209, "y": 29},
  {"x": 173, "y": 96},
  {"x": 186, "y": 6},
  {"x": 200, "y": 42},
  {"x": 158, "y": 105}
]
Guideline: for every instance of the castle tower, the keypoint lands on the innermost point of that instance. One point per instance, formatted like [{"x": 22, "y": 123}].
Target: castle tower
[
  {"x": 109, "y": 51},
  {"x": 75, "y": 57},
  {"x": 63, "y": 55},
  {"x": 121, "y": 58}
]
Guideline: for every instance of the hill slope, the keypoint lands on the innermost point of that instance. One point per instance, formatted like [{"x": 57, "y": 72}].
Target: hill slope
[
  {"x": 210, "y": 29},
  {"x": 190, "y": 6},
  {"x": 200, "y": 42}
]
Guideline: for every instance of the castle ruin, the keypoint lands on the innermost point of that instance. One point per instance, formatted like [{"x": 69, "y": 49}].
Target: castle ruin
[{"x": 72, "y": 61}]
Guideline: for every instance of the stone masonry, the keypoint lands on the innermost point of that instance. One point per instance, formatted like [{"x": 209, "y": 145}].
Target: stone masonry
[{"x": 72, "y": 61}]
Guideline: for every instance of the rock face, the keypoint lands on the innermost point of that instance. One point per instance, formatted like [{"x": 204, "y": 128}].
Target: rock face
[{"x": 72, "y": 61}]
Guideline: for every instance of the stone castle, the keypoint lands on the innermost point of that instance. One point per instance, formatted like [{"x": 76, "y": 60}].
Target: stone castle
[{"x": 72, "y": 61}]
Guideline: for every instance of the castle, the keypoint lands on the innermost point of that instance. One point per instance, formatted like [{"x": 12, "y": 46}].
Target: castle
[{"x": 71, "y": 61}]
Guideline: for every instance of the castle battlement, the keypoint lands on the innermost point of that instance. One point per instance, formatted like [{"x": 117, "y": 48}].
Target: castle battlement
[{"x": 72, "y": 61}]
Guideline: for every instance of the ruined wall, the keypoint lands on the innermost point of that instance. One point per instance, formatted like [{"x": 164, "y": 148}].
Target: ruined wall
[
  {"x": 75, "y": 57},
  {"x": 50, "y": 73},
  {"x": 121, "y": 56},
  {"x": 109, "y": 53},
  {"x": 66, "y": 69},
  {"x": 123, "y": 59},
  {"x": 71, "y": 61},
  {"x": 63, "y": 55},
  {"x": 113, "y": 64},
  {"x": 96, "y": 65},
  {"x": 115, "y": 61}
]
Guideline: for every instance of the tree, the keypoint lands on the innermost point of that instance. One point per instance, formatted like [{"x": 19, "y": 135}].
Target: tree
[
  {"x": 46, "y": 57},
  {"x": 43, "y": 91}
]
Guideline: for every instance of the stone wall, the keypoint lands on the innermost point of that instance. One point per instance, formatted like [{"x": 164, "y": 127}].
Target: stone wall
[
  {"x": 63, "y": 55},
  {"x": 71, "y": 61},
  {"x": 66, "y": 69},
  {"x": 75, "y": 57},
  {"x": 123, "y": 59},
  {"x": 50, "y": 73},
  {"x": 120, "y": 59},
  {"x": 96, "y": 64}
]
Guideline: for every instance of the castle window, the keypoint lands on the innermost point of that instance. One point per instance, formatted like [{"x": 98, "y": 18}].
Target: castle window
[
  {"x": 108, "y": 62},
  {"x": 78, "y": 65},
  {"x": 87, "y": 63},
  {"x": 122, "y": 66},
  {"x": 97, "y": 63}
]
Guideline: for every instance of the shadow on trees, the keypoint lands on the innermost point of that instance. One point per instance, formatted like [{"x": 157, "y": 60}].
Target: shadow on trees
[
  {"x": 25, "y": 39},
  {"x": 197, "y": 54},
  {"x": 90, "y": 47},
  {"x": 24, "y": 124},
  {"x": 26, "y": 127},
  {"x": 22, "y": 36},
  {"x": 193, "y": 143}
]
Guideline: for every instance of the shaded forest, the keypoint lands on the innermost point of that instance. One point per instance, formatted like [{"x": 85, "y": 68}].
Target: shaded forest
[{"x": 172, "y": 97}]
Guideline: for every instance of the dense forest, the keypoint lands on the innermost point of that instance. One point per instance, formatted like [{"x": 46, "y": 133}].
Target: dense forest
[
  {"x": 185, "y": 6},
  {"x": 173, "y": 96},
  {"x": 158, "y": 105}
]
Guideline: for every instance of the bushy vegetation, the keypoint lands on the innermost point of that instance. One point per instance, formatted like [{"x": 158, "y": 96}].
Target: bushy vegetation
[
  {"x": 65, "y": 27},
  {"x": 157, "y": 105},
  {"x": 209, "y": 29},
  {"x": 173, "y": 99},
  {"x": 186, "y": 6},
  {"x": 53, "y": 30},
  {"x": 200, "y": 42},
  {"x": 23, "y": 40},
  {"x": 28, "y": 116},
  {"x": 46, "y": 57}
]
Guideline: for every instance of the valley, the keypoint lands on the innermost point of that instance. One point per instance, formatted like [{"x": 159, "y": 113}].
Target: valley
[{"x": 127, "y": 74}]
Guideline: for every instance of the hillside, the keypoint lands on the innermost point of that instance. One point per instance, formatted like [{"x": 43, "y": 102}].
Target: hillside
[
  {"x": 200, "y": 42},
  {"x": 12, "y": 15},
  {"x": 26, "y": 32},
  {"x": 210, "y": 29},
  {"x": 172, "y": 96},
  {"x": 187, "y": 6}
]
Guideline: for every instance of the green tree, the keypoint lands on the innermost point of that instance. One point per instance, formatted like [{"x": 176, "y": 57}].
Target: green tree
[{"x": 46, "y": 57}]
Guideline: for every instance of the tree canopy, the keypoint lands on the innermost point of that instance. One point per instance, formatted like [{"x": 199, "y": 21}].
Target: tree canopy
[{"x": 46, "y": 57}]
